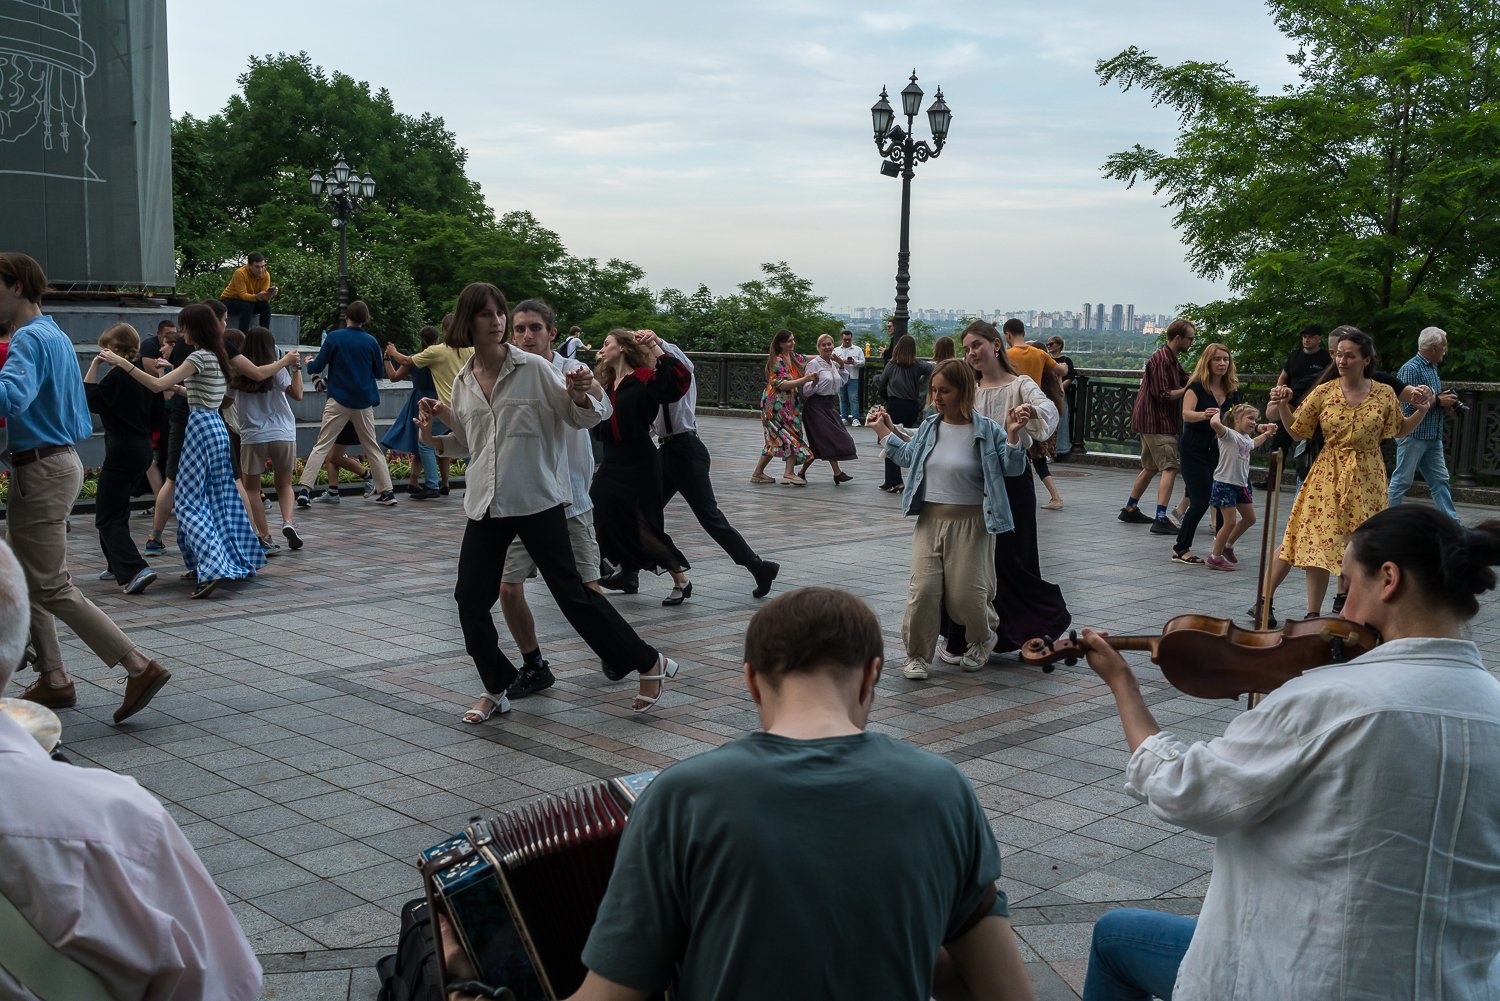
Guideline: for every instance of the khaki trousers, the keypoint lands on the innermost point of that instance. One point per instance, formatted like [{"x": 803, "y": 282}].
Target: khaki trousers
[
  {"x": 41, "y": 498},
  {"x": 952, "y": 564},
  {"x": 335, "y": 416}
]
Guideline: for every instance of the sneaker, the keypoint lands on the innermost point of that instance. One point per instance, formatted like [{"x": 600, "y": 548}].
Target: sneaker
[
  {"x": 915, "y": 669},
  {"x": 329, "y": 496},
  {"x": 1338, "y": 602},
  {"x": 947, "y": 656},
  {"x": 304, "y": 497},
  {"x": 154, "y": 546},
  {"x": 370, "y": 486},
  {"x": 142, "y": 580},
  {"x": 530, "y": 681},
  {"x": 269, "y": 547},
  {"x": 1134, "y": 516},
  {"x": 387, "y": 499},
  {"x": 1254, "y": 614},
  {"x": 424, "y": 493},
  {"x": 1164, "y": 526},
  {"x": 292, "y": 538},
  {"x": 149, "y": 512},
  {"x": 105, "y": 575},
  {"x": 1219, "y": 563},
  {"x": 1229, "y": 555}
]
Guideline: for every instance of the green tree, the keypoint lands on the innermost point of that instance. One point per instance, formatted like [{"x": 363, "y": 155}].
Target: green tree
[
  {"x": 1364, "y": 193},
  {"x": 746, "y": 320}
]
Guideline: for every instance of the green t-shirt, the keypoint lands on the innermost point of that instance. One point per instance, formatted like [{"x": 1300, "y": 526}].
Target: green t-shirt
[{"x": 779, "y": 868}]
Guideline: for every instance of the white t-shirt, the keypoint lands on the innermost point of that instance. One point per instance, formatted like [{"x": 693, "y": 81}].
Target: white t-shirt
[
  {"x": 1234, "y": 458},
  {"x": 953, "y": 474},
  {"x": 570, "y": 347},
  {"x": 266, "y": 417}
]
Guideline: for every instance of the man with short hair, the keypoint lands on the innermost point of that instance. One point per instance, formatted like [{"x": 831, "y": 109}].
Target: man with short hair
[
  {"x": 573, "y": 344},
  {"x": 1157, "y": 418},
  {"x": 354, "y": 362},
  {"x": 810, "y": 858},
  {"x": 1027, "y": 359},
  {"x": 1301, "y": 371},
  {"x": 853, "y": 356},
  {"x": 249, "y": 293},
  {"x": 109, "y": 890},
  {"x": 1422, "y": 450},
  {"x": 47, "y": 414}
]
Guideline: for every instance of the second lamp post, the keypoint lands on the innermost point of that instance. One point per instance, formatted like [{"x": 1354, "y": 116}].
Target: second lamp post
[
  {"x": 900, "y": 155},
  {"x": 344, "y": 193}
]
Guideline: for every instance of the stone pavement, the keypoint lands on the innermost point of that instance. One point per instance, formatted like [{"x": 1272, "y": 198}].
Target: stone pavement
[{"x": 310, "y": 746}]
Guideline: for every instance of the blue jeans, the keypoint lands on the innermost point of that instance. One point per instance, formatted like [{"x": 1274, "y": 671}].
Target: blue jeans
[
  {"x": 1064, "y": 442},
  {"x": 849, "y": 400},
  {"x": 1425, "y": 456},
  {"x": 428, "y": 457},
  {"x": 1135, "y": 955}
]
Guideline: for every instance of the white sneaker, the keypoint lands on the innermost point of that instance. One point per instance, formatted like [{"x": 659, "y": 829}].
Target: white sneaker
[
  {"x": 978, "y": 654},
  {"x": 944, "y": 655},
  {"x": 915, "y": 669}
]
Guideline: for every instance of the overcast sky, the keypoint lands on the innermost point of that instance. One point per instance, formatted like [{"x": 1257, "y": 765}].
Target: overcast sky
[{"x": 701, "y": 139}]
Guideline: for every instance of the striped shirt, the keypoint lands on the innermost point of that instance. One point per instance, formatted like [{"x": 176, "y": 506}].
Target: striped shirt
[
  {"x": 1155, "y": 411},
  {"x": 205, "y": 388}
]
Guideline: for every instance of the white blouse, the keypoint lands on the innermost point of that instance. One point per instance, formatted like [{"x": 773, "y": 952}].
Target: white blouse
[
  {"x": 996, "y": 401},
  {"x": 830, "y": 376}
]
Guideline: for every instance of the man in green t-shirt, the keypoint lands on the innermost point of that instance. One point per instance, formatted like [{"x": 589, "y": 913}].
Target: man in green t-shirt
[{"x": 810, "y": 858}]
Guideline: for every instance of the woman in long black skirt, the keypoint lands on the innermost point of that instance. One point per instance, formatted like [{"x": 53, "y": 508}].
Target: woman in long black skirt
[{"x": 829, "y": 440}]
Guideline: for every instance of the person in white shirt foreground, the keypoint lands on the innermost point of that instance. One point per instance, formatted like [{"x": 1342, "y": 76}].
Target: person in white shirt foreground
[
  {"x": 511, "y": 414},
  {"x": 1357, "y": 808},
  {"x": 100, "y": 871}
]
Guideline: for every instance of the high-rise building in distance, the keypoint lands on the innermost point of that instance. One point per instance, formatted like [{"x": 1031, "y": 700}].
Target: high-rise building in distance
[
  {"x": 1117, "y": 317},
  {"x": 1088, "y": 317},
  {"x": 1130, "y": 318},
  {"x": 1099, "y": 320}
]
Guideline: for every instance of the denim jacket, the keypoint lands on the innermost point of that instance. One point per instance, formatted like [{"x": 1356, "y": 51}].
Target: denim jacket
[{"x": 998, "y": 457}]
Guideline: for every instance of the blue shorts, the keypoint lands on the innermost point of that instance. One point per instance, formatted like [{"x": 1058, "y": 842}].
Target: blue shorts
[{"x": 1228, "y": 495}]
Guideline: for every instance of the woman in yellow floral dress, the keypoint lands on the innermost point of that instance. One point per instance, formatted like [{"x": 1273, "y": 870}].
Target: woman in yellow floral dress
[
  {"x": 781, "y": 410},
  {"x": 1347, "y": 482}
]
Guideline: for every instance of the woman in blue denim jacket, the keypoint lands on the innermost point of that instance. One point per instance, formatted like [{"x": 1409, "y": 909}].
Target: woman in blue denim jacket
[{"x": 958, "y": 460}]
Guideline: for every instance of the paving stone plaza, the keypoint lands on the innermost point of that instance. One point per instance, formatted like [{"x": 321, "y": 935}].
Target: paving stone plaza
[{"x": 309, "y": 742}]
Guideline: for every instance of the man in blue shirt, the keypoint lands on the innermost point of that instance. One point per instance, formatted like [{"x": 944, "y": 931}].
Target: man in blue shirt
[
  {"x": 353, "y": 361},
  {"x": 1422, "y": 450},
  {"x": 41, "y": 398}
]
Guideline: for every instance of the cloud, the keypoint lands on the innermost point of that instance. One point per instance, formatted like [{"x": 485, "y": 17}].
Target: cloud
[{"x": 886, "y": 22}]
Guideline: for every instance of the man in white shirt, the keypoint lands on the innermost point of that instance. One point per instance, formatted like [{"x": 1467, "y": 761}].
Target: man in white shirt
[
  {"x": 684, "y": 469},
  {"x": 533, "y": 328},
  {"x": 849, "y": 391},
  {"x": 101, "y": 873}
]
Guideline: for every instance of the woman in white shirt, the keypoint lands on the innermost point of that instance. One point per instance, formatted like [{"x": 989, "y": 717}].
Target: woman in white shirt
[
  {"x": 1357, "y": 808},
  {"x": 510, "y": 414},
  {"x": 829, "y": 440},
  {"x": 268, "y": 434}
]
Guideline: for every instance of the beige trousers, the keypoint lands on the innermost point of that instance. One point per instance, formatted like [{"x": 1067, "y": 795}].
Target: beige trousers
[
  {"x": 41, "y": 498},
  {"x": 952, "y": 564},
  {"x": 335, "y": 416}
]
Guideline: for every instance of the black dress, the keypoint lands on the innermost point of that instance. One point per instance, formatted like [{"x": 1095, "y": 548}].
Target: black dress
[{"x": 627, "y": 486}]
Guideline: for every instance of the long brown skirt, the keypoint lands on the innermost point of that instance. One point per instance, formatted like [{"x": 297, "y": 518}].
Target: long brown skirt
[{"x": 826, "y": 434}]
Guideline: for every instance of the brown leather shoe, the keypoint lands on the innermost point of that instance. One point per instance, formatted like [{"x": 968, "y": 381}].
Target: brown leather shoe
[
  {"x": 51, "y": 696},
  {"x": 140, "y": 688}
]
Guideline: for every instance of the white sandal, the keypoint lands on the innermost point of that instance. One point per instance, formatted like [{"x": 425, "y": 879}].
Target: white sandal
[
  {"x": 666, "y": 668},
  {"x": 498, "y": 703}
]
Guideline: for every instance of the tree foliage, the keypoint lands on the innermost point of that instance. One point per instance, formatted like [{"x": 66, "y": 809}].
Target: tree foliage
[{"x": 1364, "y": 193}]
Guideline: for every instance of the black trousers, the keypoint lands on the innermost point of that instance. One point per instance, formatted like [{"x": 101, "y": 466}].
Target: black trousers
[
  {"x": 177, "y": 417},
  {"x": 126, "y": 460},
  {"x": 241, "y": 311},
  {"x": 684, "y": 470},
  {"x": 1197, "y": 472},
  {"x": 904, "y": 413},
  {"x": 481, "y": 562}
]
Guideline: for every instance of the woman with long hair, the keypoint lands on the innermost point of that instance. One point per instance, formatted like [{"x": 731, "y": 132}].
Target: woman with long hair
[
  {"x": 128, "y": 411},
  {"x": 781, "y": 410},
  {"x": 958, "y": 460},
  {"x": 1026, "y": 604},
  {"x": 402, "y": 436},
  {"x": 1347, "y": 483},
  {"x": 217, "y": 541},
  {"x": 268, "y": 434},
  {"x": 640, "y": 378},
  {"x": 901, "y": 383},
  {"x": 511, "y": 411},
  {"x": 942, "y": 349},
  {"x": 1212, "y": 389},
  {"x": 826, "y": 434},
  {"x": 1353, "y": 809}
]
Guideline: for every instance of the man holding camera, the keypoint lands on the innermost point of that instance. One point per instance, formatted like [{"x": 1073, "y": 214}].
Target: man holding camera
[
  {"x": 249, "y": 293},
  {"x": 1422, "y": 450}
]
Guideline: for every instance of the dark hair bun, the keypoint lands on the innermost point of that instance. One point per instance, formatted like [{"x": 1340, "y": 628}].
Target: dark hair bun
[{"x": 1451, "y": 564}]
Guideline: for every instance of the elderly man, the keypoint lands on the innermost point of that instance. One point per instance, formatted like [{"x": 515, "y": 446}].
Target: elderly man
[
  {"x": 1422, "y": 450},
  {"x": 105, "y": 888}
]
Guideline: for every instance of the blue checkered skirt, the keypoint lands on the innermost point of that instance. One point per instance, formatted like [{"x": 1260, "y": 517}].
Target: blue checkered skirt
[{"x": 213, "y": 530}]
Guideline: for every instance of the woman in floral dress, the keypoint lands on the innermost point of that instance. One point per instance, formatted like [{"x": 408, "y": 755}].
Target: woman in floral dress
[
  {"x": 781, "y": 410},
  {"x": 1347, "y": 483}
]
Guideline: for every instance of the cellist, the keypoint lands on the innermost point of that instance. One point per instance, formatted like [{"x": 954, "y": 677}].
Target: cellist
[{"x": 1357, "y": 808}]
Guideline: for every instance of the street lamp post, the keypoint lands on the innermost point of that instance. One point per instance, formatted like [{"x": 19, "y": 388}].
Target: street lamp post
[
  {"x": 344, "y": 193},
  {"x": 900, "y": 154}
]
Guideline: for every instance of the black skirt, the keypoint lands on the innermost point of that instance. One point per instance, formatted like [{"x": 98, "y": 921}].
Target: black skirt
[{"x": 825, "y": 432}]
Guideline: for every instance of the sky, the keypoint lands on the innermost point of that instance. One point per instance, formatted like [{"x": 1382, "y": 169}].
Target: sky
[{"x": 699, "y": 140}]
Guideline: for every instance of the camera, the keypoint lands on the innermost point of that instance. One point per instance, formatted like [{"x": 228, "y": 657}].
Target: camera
[{"x": 1459, "y": 406}]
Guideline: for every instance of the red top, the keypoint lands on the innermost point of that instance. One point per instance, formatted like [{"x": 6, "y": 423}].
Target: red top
[{"x": 1155, "y": 411}]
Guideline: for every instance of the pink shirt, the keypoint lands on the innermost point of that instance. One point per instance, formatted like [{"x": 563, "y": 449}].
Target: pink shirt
[{"x": 101, "y": 871}]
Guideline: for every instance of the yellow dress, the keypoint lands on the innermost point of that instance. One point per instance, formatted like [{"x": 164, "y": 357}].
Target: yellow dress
[{"x": 1347, "y": 482}]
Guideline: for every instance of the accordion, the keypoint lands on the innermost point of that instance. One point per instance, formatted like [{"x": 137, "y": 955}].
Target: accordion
[{"x": 522, "y": 889}]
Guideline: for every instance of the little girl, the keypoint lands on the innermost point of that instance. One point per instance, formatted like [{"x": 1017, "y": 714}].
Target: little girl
[{"x": 1231, "y": 490}]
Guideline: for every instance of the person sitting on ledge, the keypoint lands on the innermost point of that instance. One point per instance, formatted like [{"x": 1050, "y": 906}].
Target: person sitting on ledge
[
  {"x": 787, "y": 864},
  {"x": 249, "y": 293},
  {"x": 1357, "y": 808}
]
